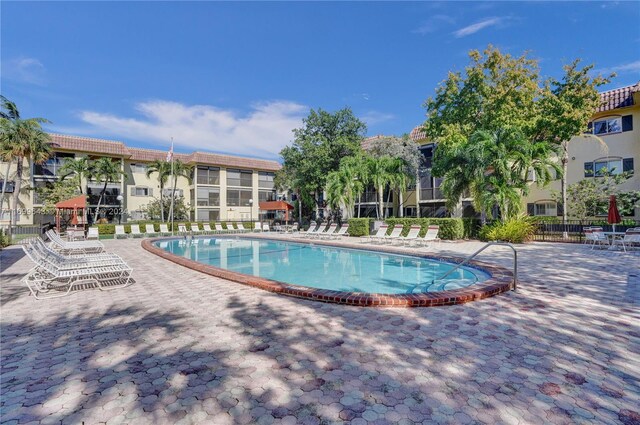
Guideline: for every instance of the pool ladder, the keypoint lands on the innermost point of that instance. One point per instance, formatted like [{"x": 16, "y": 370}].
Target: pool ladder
[{"x": 472, "y": 256}]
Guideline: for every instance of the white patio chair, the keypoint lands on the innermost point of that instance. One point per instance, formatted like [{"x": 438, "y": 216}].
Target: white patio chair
[
  {"x": 135, "y": 231},
  {"x": 93, "y": 233},
  {"x": 257, "y": 227},
  {"x": 313, "y": 228},
  {"x": 120, "y": 232},
  {"x": 73, "y": 247},
  {"x": 378, "y": 235},
  {"x": 182, "y": 228},
  {"x": 326, "y": 232},
  {"x": 220, "y": 229},
  {"x": 243, "y": 229},
  {"x": 340, "y": 233},
  {"x": 265, "y": 228},
  {"x": 430, "y": 236},
  {"x": 596, "y": 236},
  {"x": 53, "y": 277},
  {"x": 206, "y": 228},
  {"x": 150, "y": 230},
  {"x": 195, "y": 228},
  {"x": 164, "y": 230},
  {"x": 411, "y": 237},
  {"x": 630, "y": 239}
]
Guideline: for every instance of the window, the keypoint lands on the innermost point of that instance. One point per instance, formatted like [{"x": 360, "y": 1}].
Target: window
[
  {"x": 264, "y": 196},
  {"x": 208, "y": 215},
  {"x": 51, "y": 167},
  {"x": 10, "y": 186},
  {"x": 208, "y": 175},
  {"x": 544, "y": 208},
  {"x": 239, "y": 178},
  {"x": 138, "y": 168},
  {"x": 608, "y": 166},
  {"x": 141, "y": 191},
  {"x": 608, "y": 126},
  {"x": 265, "y": 180},
  {"x": 167, "y": 192},
  {"x": 208, "y": 197},
  {"x": 238, "y": 197}
]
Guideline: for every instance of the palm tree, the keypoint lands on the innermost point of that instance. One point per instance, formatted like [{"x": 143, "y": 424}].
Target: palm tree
[
  {"x": 20, "y": 140},
  {"x": 180, "y": 169},
  {"x": 79, "y": 169},
  {"x": 400, "y": 176},
  {"x": 379, "y": 177},
  {"x": 163, "y": 169},
  {"x": 108, "y": 171}
]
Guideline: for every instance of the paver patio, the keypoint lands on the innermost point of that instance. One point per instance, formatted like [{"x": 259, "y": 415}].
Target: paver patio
[{"x": 183, "y": 347}]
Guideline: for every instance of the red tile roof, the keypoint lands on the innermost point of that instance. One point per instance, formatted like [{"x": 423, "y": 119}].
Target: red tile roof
[
  {"x": 418, "y": 134},
  {"x": 618, "y": 98},
  {"x": 115, "y": 148}
]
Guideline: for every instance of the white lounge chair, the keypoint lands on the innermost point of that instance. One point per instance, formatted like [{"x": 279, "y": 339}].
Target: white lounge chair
[
  {"x": 342, "y": 231},
  {"x": 257, "y": 227},
  {"x": 431, "y": 235},
  {"x": 265, "y": 228},
  {"x": 394, "y": 235},
  {"x": 53, "y": 276},
  {"x": 73, "y": 247},
  {"x": 327, "y": 232},
  {"x": 182, "y": 228},
  {"x": 164, "y": 230},
  {"x": 206, "y": 228},
  {"x": 195, "y": 228},
  {"x": 596, "y": 236},
  {"x": 93, "y": 233},
  {"x": 220, "y": 229},
  {"x": 150, "y": 230},
  {"x": 378, "y": 236},
  {"x": 243, "y": 229},
  {"x": 313, "y": 227},
  {"x": 135, "y": 231},
  {"x": 412, "y": 236},
  {"x": 295, "y": 228},
  {"x": 120, "y": 232}
]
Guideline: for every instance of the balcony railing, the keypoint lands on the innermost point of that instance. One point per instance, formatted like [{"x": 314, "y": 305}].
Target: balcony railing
[{"x": 106, "y": 200}]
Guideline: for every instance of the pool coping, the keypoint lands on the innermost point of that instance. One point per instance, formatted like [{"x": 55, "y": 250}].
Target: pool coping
[{"x": 500, "y": 280}]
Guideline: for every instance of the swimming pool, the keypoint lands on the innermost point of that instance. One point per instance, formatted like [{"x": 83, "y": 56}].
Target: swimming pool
[{"x": 325, "y": 267}]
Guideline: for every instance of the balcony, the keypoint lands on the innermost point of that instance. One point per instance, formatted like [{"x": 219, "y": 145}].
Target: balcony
[
  {"x": 431, "y": 194},
  {"x": 106, "y": 200}
]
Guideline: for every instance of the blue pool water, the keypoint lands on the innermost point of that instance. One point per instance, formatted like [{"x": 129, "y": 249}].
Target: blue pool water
[{"x": 338, "y": 269}]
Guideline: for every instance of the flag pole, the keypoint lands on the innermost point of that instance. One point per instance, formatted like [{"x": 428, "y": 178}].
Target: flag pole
[{"x": 171, "y": 185}]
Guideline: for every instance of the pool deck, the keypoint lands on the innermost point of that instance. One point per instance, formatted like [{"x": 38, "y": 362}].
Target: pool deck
[{"x": 179, "y": 346}]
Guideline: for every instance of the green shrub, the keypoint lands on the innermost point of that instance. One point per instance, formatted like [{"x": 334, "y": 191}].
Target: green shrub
[
  {"x": 5, "y": 240},
  {"x": 450, "y": 228},
  {"x": 516, "y": 230},
  {"x": 471, "y": 228},
  {"x": 359, "y": 226}
]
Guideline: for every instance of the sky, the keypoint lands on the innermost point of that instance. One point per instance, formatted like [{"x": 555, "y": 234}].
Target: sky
[{"x": 238, "y": 77}]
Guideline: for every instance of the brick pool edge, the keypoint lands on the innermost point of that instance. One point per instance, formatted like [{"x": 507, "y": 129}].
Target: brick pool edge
[{"x": 501, "y": 280}]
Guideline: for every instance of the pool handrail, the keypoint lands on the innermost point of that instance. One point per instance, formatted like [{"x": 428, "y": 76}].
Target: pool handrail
[{"x": 470, "y": 257}]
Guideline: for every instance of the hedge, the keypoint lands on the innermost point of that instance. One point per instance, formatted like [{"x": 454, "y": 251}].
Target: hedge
[
  {"x": 359, "y": 226},
  {"x": 450, "y": 228},
  {"x": 110, "y": 229}
]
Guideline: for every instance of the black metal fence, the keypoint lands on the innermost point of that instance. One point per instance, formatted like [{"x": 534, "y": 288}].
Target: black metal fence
[{"x": 555, "y": 232}]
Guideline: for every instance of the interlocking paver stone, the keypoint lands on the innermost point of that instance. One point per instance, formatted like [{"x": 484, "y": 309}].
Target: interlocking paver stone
[{"x": 183, "y": 347}]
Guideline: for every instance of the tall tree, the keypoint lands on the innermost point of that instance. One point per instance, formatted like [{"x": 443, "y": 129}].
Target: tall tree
[
  {"x": 19, "y": 139},
  {"x": 23, "y": 140},
  {"x": 180, "y": 169},
  {"x": 105, "y": 170},
  {"x": 318, "y": 146},
  {"x": 163, "y": 169},
  {"x": 566, "y": 108},
  {"x": 379, "y": 172},
  {"x": 501, "y": 92},
  {"x": 345, "y": 184},
  {"x": 76, "y": 168}
]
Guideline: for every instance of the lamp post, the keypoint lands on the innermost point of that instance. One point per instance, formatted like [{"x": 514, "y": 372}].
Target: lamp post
[
  {"x": 251, "y": 211},
  {"x": 120, "y": 198}
]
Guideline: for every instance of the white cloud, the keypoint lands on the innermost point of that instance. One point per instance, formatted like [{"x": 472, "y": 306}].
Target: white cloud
[
  {"x": 474, "y": 28},
  {"x": 621, "y": 69},
  {"x": 263, "y": 131},
  {"x": 25, "y": 70},
  {"x": 376, "y": 117},
  {"x": 433, "y": 24}
]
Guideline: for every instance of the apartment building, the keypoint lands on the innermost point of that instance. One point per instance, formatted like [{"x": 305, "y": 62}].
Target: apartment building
[
  {"x": 222, "y": 187},
  {"x": 616, "y": 148}
]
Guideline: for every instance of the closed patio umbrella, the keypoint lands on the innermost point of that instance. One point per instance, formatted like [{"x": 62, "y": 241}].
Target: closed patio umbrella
[{"x": 614, "y": 215}]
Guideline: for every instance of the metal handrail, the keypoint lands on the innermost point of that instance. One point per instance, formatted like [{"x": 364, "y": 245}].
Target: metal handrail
[{"x": 469, "y": 258}]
